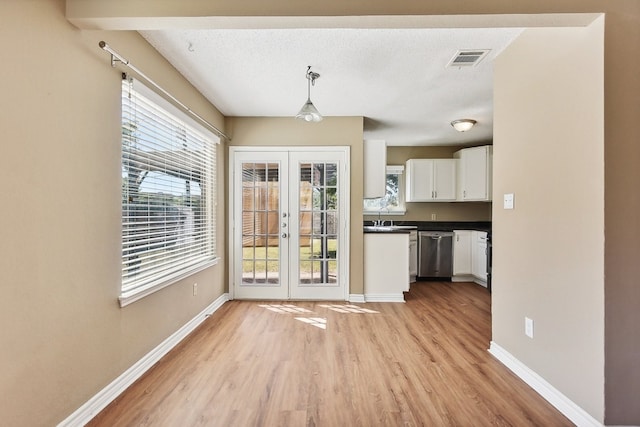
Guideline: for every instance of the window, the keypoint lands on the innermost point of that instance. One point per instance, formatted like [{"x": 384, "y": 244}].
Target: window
[
  {"x": 393, "y": 201},
  {"x": 168, "y": 193}
]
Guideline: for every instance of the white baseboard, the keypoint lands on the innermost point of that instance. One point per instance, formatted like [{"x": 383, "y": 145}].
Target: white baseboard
[
  {"x": 358, "y": 298},
  {"x": 97, "y": 403},
  {"x": 463, "y": 278},
  {"x": 480, "y": 282},
  {"x": 469, "y": 278},
  {"x": 562, "y": 403},
  {"x": 384, "y": 297}
]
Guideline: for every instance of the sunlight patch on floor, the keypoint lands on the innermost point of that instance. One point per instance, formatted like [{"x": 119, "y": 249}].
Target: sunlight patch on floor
[
  {"x": 318, "y": 322},
  {"x": 347, "y": 308},
  {"x": 285, "y": 308}
]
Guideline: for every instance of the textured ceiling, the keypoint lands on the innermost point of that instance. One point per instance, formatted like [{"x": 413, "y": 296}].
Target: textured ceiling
[{"x": 397, "y": 79}]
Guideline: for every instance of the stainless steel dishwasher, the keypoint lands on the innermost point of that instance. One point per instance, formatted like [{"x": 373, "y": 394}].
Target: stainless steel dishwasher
[{"x": 435, "y": 254}]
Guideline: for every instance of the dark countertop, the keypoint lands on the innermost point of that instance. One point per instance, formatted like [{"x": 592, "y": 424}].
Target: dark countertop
[
  {"x": 437, "y": 226},
  {"x": 382, "y": 230}
]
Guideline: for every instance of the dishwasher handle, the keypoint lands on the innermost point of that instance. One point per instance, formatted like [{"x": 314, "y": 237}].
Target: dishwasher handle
[{"x": 435, "y": 234}]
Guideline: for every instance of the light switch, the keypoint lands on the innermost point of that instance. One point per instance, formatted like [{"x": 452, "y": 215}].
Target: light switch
[{"x": 508, "y": 201}]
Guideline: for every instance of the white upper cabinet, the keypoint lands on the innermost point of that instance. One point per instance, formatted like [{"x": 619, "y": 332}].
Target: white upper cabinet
[
  {"x": 474, "y": 173},
  {"x": 431, "y": 180},
  {"x": 375, "y": 168}
]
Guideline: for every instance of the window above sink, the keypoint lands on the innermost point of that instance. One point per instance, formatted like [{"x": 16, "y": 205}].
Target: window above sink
[{"x": 393, "y": 201}]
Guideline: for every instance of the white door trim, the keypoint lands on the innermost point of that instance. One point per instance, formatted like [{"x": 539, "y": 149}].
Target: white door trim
[{"x": 345, "y": 254}]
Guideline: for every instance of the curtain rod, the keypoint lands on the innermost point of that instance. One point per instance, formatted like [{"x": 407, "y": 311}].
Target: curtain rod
[{"x": 115, "y": 56}]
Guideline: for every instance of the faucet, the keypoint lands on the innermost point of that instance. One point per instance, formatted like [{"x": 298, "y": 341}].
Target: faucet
[{"x": 380, "y": 222}]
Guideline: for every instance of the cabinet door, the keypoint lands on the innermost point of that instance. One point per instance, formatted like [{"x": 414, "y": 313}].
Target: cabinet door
[
  {"x": 461, "y": 252},
  {"x": 444, "y": 182},
  {"x": 419, "y": 180},
  {"x": 479, "y": 259},
  {"x": 375, "y": 168},
  {"x": 413, "y": 259},
  {"x": 475, "y": 173}
]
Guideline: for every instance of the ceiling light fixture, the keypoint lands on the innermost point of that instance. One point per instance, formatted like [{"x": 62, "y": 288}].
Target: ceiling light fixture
[
  {"x": 308, "y": 112},
  {"x": 463, "y": 125}
]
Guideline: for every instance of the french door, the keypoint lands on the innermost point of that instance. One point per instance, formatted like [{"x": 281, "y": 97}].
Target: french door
[{"x": 289, "y": 223}]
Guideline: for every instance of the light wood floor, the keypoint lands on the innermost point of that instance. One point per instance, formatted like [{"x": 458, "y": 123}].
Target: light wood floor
[{"x": 423, "y": 363}]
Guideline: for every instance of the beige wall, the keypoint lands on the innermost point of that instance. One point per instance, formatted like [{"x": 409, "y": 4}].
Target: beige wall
[
  {"x": 467, "y": 211},
  {"x": 622, "y": 210},
  {"x": 336, "y": 131},
  {"x": 548, "y": 259},
  {"x": 67, "y": 338},
  {"x": 63, "y": 336}
]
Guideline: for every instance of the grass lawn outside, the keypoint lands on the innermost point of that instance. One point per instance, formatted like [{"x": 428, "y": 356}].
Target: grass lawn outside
[{"x": 266, "y": 258}]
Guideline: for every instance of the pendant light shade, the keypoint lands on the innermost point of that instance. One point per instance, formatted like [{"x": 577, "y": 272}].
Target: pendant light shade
[{"x": 309, "y": 112}]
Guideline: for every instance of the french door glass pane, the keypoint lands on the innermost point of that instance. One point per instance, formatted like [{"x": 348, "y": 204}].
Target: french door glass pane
[
  {"x": 260, "y": 226},
  {"x": 318, "y": 218}
]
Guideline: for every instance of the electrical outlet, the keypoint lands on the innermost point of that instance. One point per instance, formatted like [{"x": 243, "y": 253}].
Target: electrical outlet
[
  {"x": 528, "y": 327},
  {"x": 195, "y": 289}
]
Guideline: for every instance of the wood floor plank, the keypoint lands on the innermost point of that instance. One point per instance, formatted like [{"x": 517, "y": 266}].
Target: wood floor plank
[{"x": 422, "y": 363}]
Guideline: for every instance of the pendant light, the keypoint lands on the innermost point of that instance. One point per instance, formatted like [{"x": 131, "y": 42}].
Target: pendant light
[{"x": 308, "y": 112}]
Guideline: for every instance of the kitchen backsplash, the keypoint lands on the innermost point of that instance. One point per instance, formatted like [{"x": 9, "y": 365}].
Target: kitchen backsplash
[{"x": 459, "y": 211}]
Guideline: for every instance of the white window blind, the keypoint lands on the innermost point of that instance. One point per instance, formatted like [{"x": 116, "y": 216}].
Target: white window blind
[{"x": 168, "y": 193}]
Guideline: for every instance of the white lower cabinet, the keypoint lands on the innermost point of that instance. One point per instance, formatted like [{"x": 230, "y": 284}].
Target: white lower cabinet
[
  {"x": 462, "y": 252},
  {"x": 470, "y": 256},
  {"x": 479, "y": 256},
  {"x": 386, "y": 261}
]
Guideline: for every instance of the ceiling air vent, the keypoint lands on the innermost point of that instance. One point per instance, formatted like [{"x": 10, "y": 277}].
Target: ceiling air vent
[{"x": 468, "y": 58}]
